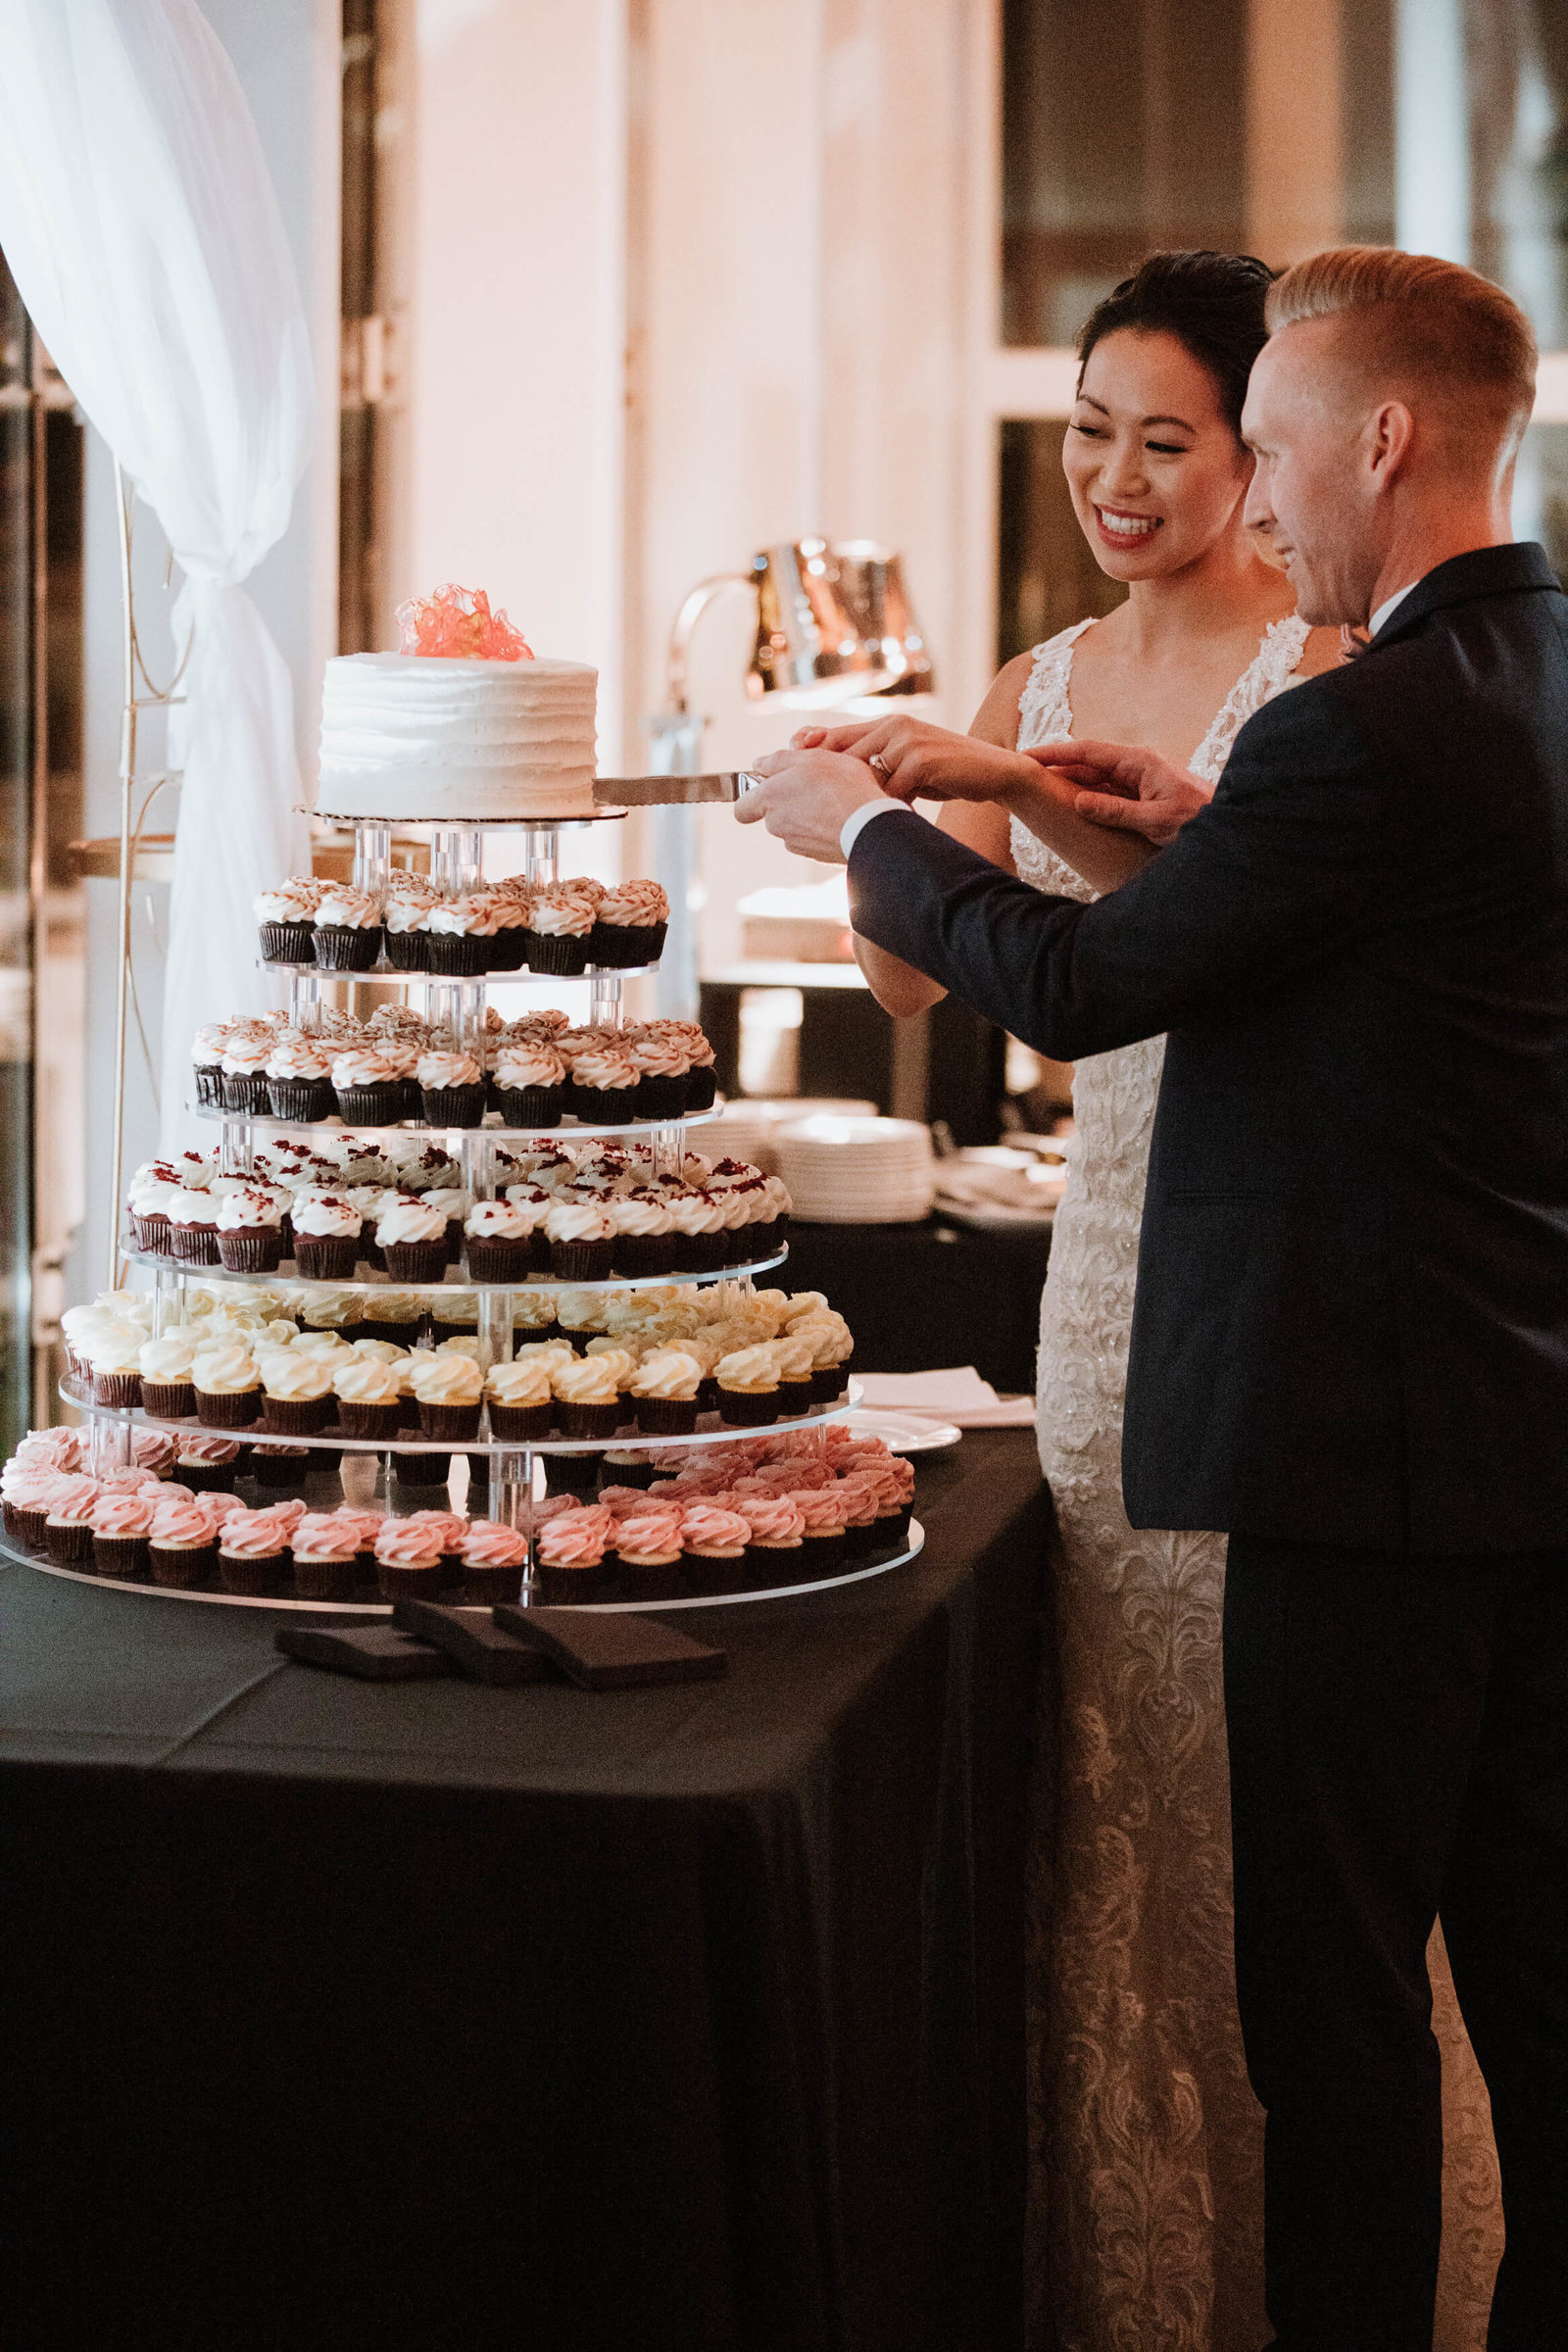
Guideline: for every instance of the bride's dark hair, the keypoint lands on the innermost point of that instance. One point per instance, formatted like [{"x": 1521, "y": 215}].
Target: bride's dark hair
[{"x": 1213, "y": 303}]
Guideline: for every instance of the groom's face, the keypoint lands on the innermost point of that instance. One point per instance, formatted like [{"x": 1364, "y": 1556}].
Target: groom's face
[{"x": 1311, "y": 491}]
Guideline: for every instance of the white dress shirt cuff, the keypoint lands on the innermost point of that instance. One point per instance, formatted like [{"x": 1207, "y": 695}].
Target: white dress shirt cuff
[{"x": 856, "y": 822}]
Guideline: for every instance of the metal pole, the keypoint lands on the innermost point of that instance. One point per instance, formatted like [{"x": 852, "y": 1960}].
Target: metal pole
[{"x": 128, "y": 768}]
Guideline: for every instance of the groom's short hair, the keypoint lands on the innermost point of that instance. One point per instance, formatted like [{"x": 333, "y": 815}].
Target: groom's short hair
[{"x": 1426, "y": 324}]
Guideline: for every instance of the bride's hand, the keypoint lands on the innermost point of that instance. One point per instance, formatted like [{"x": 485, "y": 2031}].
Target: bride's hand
[
  {"x": 1123, "y": 787},
  {"x": 914, "y": 761}
]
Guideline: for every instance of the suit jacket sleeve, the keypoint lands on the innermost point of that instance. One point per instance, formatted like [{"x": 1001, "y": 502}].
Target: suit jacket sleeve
[{"x": 1291, "y": 859}]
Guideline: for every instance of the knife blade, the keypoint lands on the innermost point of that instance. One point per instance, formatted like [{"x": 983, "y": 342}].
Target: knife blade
[{"x": 672, "y": 792}]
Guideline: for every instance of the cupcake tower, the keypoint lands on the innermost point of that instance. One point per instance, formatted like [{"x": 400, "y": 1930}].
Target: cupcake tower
[{"x": 499, "y": 1240}]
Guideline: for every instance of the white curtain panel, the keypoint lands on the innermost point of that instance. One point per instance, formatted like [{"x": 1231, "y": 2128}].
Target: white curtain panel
[{"x": 141, "y": 228}]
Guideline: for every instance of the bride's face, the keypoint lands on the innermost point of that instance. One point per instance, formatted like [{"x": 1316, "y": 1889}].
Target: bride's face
[{"x": 1156, "y": 471}]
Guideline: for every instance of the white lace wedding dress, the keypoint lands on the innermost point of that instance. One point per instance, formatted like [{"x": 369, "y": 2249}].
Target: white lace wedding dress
[{"x": 1146, "y": 2145}]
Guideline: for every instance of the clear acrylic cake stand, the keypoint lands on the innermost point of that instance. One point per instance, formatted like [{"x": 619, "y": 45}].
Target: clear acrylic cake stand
[{"x": 457, "y": 864}]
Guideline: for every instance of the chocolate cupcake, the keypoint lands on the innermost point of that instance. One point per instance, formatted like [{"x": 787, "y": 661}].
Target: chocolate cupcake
[
  {"x": 581, "y": 1237},
  {"x": 326, "y": 1236},
  {"x": 531, "y": 1085},
  {"x": 453, "y": 1087},
  {"x": 348, "y": 930},
  {"x": 603, "y": 1089},
  {"x": 631, "y": 924},
  {"x": 193, "y": 1229},
  {"x": 207, "y": 1063},
  {"x": 411, "y": 1236},
  {"x": 250, "y": 1230},
  {"x": 662, "y": 1066},
  {"x": 147, "y": 1205},
  {"x": 499, "y": 1242},
  {"x": 458, "y": 942},
  {"x": 645, "y": 1234},
  {"x": 247, "y": 1051},
  {"x": 408, "y": 931},
  {"x": 506, "y": 933},
  {"x": 286, "y": 922},
  {"x": 560, "y": 921},
  {"x": 299, "y": 1077},
  {"x": 367, "y": 1087}
]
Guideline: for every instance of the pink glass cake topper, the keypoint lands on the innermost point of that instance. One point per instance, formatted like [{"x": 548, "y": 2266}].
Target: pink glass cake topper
[{"x": 458, "y": 625}]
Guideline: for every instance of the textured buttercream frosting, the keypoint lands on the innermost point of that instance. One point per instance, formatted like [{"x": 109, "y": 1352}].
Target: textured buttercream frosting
[{"x": 411, "y": 736}]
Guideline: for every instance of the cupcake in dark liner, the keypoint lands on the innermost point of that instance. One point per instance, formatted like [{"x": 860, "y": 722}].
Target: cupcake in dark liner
[
  {"x": 506, "y": 938},
  {"x": 536, "y": 1107},
  {"x": 748, "y": 1388},
  {"x": 499, "y": 1242},
  {"x": 493, "y": 1561},
  {"x": 560, "y": 921},
  {"x": 357, "y": 1419},
  {"x": 602, "y": 1087},
  {"x": 408, "y": 951},
  {"x": 449, "y": 1424},
  {"x": 411, "y": 1236},
  {"x": 325, "y": 1257},
  {"x": 167, "y": 1400},
  {"x": 67, "y": 1537},
  {"x": 663, "y": 1393},
  {"x": 286, "y": 923},
  {"x": 449, "y": 1389},
  {"x": 307, "y": 1099},
  {"x": 284, "y": 1465},
  {"x": 455, "y": 1105},
  {"x": 422, "y": 1469},
  {"x": 459, "y": 948},
  {"x": 228, "y": 1387},
  {"x": 209, "y": 1077},
  {"x": 630, "y": 922},
  {"x": 702, "y": 1087},
  {"x": 246, "y": 1091},
  {"x": 148, "y": 1204},
  {"x": 122, "y": 1556},
  {"x": 348, "y": 930},
  {"x": 183, "y": 1567},
  {"x": 298, "y": 1416},
  {"x": 645, "y": 1577},
  {"x": 116, "y": 1388},
  {"x": 250, "y": 1231},
  {"x": 289, "y": 943},
  {"x": 207, "y": 1465},
  {"x": 530, "y": 1084},
  {"x": 666, "y": 1416},
  {"x": 406, "y": 924},
  {"x": 193, "y": 1229},
  {"x": 412, "y": 1579},
  {"x": 584, "y": 1418},
  {"x": 253, "y": 1555},
  {"x": 326, "y": 1557}
]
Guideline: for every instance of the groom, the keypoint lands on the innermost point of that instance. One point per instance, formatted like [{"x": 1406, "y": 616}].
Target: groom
[{"x": 1350, "y": 1341}]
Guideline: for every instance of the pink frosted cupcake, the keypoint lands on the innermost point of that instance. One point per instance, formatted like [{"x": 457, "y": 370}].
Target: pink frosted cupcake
[
  {"x": 252, "y": 1551},
  {"x": 68, "y": 1529},
  {"x": 715, "y": 1539},
  {"x": 561, "y": 923},
  {"x": 493, "y": 1561},
  {"x": 630, "y": 922},
  {"x": 569, "y": 1550},
  {"x": 121, "y": 1525},
  {"x": 408, "y": 1558},
  {"x": 777, "y": 1541},
  {"x": 647, "y": 1544},
  {"x": 181, "y": 1545},
  {"x": 326, "y": 1551}
]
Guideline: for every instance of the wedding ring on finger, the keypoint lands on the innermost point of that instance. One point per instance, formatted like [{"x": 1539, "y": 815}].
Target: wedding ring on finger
[{"x": 878, "y": 765}]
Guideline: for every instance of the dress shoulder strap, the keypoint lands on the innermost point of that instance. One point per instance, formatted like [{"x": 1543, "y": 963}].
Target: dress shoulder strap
[
  {"x": 1045, "y": 713},
  {"x": 1267, "y": 675}
]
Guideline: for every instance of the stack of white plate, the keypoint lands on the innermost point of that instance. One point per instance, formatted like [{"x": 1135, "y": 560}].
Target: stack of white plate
[
  {"x": 749, "y": 1128},
  {"x": 857, "y": 1171}
]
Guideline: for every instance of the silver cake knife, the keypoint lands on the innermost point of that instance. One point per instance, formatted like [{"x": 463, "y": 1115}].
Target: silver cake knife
[{"x": 673, "y": 792}]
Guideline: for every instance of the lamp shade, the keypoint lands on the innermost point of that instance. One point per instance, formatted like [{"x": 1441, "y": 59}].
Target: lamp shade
[{"x": 833, "y": 622}]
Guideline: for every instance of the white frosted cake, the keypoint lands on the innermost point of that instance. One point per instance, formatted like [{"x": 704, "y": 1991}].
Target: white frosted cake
[{"x": 417, "y": 737}]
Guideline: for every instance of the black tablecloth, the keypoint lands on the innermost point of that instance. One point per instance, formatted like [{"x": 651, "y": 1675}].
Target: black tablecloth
[
  {"x": 930, "y": 1294},
  {"x": 426, "y": 2015}
]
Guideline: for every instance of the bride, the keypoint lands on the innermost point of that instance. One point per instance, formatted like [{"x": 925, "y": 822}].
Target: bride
[{"x": 1146, "y": 2145}]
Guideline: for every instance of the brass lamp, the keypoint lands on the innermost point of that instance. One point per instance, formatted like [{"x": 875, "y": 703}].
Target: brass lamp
[{"x": 833, "y": 626}]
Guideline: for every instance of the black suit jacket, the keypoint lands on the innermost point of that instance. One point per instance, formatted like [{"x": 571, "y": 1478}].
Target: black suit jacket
[{"x": 1352, "y": 1318}]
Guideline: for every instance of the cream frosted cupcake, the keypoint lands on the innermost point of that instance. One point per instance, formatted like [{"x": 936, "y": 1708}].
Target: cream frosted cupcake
[
  {"x": 662, "y": 1066},
  {"x": 286, "y": 921},
  {"x": 250, "y": 1229},
  {"x": 207, "y": 1063},
  {"x": 587, "y": 1390},
  {"x": 367, "y": 1086},
  {"x": 407, "y": 920},
  {"x": 448, "y": 1389},
  {"x": 348, "y": 929},
  {"x": 113, "y": 1357},
  {"x": 663, "y": 1390},
  {"x": 193, "y": 1228},
  {"x": 645, "y": 1232},
  {"x": 411, "y": 1236},
  {"x": 228, "y": 1387},
  {"x": 458, "y": 936},
  {"x": 698, "y": 1220},
  {"x": 247, "y": 1049},
  {"x": 394, "y": 1317},
  {"x": 153, "y": 1193},
  {"x": 296, "y": 1396},
  {"x": 581, "y": 1237},
  {"x": 520, "y": 1399},
  {"x": 326, "y": 1236},
  {"x": 530, "y": 1084},
  {"x": 164, "y": 1365},
  {"x": 499, "y": 1238},
  {"x": 299, "y": 1077},
  {"x": 452, "y": 1085},
  {"x": 561, "y": 923},
  {"x": 367, "y": 1393},
  {"x": 748, "y": 1386},
  {"x": 630, "y": 922},
  {"x": 604, "y": 1085}
]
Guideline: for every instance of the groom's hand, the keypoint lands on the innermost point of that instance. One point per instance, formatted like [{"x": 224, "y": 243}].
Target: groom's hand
[
  {"x": 806, "y": 797},
  {"x": 1124, "y": 788}
]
